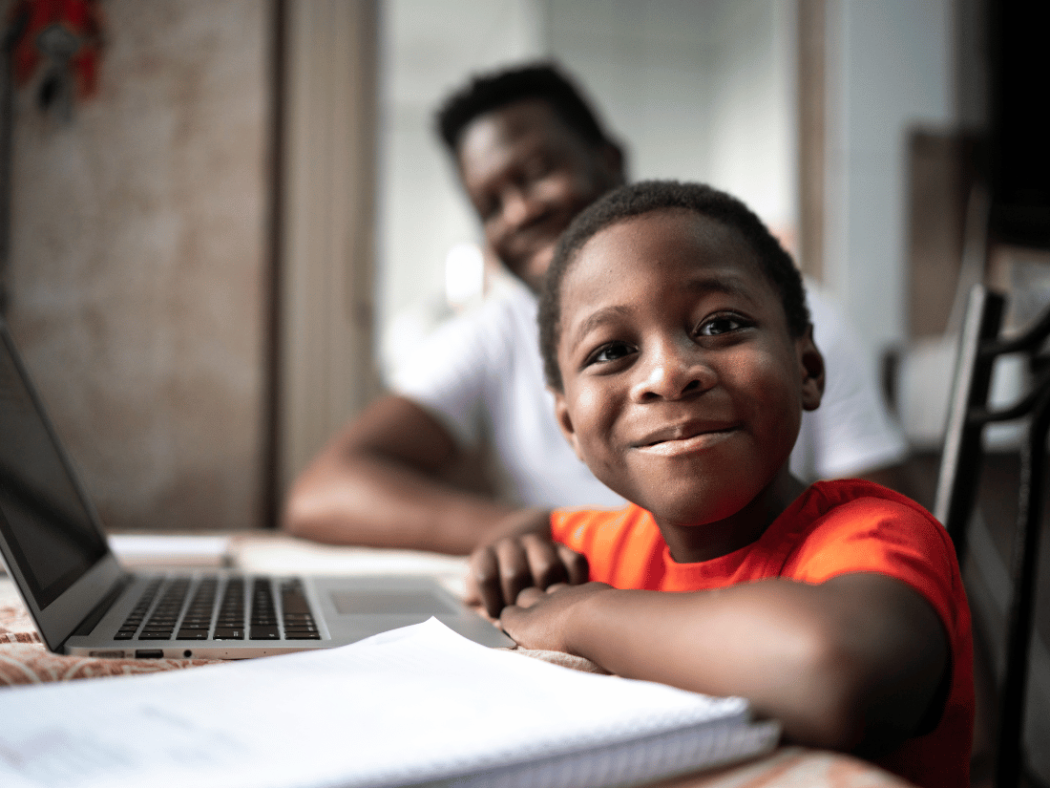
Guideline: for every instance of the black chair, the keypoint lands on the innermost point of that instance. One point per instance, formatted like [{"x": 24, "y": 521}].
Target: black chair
[{"x": 981, "y": 343}]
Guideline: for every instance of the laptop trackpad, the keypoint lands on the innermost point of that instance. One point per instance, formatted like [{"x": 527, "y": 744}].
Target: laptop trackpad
[{"x": 370, "y": 603}]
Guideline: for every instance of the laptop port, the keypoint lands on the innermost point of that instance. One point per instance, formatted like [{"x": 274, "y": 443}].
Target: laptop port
[{"x": 149, "y": 653}]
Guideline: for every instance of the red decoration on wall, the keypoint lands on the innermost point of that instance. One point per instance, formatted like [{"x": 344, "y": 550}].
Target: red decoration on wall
[{"x": 65, "y": 38}]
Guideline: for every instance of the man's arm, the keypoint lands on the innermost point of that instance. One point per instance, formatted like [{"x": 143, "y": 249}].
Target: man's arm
[
  {"x": 851, "y": 664},
  {"x": 379, "y": 483}
]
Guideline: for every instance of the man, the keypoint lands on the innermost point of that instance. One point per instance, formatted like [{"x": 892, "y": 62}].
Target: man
[{"x": 530, "y": 155}]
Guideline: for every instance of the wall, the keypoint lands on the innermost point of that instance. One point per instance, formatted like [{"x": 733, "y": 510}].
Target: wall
[
  {"x": 696, "y": 91},
  {"x": 138, "y": 266},
  {"x": 889, "y": 70},
  {"x": 426, "y": 50},
  {"x": 327, "y": 219}
]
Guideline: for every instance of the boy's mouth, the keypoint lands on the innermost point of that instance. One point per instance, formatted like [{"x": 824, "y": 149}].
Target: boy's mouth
[{"x": 684, "y": 439}]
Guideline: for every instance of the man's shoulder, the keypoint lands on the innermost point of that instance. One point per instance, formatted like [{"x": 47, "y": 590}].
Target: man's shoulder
[
  {"x": 507, "y": 311},
  {"x": 482, "y": 361}
]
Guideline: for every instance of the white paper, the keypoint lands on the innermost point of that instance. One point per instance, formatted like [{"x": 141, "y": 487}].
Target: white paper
[
  {"x": 414, "y": 704},
  {"x": 147, "y": 550}
]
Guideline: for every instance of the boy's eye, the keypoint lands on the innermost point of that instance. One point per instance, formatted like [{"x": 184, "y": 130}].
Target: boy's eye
[
  {"x": 613, "y": 351},
  {"x": 721, "y": 324}
]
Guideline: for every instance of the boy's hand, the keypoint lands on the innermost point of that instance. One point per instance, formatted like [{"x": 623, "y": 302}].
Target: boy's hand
[
  {"x": 540, "y": 619},
  {"x": 522, "y": 555}
]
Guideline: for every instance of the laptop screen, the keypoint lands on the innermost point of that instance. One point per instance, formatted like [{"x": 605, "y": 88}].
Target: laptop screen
[{"x": 47, "y": 525}]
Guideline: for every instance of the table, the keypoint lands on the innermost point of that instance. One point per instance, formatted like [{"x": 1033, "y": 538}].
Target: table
[{"x": 25, "y": 660}]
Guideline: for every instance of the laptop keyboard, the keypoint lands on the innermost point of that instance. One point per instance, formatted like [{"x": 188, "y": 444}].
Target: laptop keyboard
[{"x": 228, "y": 608}]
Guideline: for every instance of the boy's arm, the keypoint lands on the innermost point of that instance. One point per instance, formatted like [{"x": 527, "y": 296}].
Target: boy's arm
[
  {"x": 378, "y": 483},
  {"x": 851, "y": 664}
]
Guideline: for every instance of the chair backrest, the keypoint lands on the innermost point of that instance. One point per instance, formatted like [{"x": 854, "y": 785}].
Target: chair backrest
[{"x": 981, "y": 343}]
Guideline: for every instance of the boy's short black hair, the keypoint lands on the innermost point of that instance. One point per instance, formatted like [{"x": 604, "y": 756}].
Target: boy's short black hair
[
  {"x": 542, "y": 80},
  {"x": 646, "y": 197}
]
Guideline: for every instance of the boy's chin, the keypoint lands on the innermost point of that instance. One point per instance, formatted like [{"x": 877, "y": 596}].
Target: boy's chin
[
  {"x": 749, "y": 511},
  {"x": 688, "y": 514}
]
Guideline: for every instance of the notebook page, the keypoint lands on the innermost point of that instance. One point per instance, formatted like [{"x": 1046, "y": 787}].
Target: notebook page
[{"x": 414, "y": 705}]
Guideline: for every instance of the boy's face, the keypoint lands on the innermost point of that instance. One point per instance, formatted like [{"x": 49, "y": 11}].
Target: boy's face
[
  {"x": 683, "y": 389},
  {"x": 528, "y": 175}
]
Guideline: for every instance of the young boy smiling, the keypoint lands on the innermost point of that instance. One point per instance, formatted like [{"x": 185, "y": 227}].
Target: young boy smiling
[{"x": 677, "y": 343}]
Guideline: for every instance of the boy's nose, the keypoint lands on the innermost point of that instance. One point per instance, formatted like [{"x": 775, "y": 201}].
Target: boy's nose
[{"x": 672, "y": 373}]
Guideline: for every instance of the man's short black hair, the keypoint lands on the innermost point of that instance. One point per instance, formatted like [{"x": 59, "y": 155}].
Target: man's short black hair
[
  {"x": 541, "y": 80},
  {"x": 646, "y": 197}
]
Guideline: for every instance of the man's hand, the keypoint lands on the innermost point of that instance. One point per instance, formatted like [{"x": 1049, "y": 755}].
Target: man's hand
[
  {"x": 520, "y": 555},
  {"x": 540, "y": 619}
]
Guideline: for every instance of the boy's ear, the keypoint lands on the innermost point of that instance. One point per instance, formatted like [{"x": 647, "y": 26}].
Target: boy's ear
[
  {"x": 811, "y": 364},
  {"x": 561, "y": 415}
]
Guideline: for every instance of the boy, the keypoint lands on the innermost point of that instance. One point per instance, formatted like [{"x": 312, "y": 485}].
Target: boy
[{"x": 677, "y": 343}]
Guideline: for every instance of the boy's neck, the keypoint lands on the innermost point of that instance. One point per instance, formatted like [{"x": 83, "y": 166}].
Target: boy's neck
[{"x": 692, "y": 543}]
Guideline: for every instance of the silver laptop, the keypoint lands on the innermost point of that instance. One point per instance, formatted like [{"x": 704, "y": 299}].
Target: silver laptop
[{"x": 84, "y": 602}]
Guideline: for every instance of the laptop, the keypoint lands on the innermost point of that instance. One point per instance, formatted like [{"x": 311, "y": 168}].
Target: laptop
[{"x": 84, "y": 602}]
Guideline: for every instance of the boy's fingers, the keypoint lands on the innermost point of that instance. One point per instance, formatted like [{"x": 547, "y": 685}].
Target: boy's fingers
[
  {"x": 484, "y": 580},
  {"x": 529, "y": 596},
  {"x": 514, "y": 572},
  {"x": 500, "y": 572},
  {"x": 577, "y": 570},
  {"x": 545, "y": 563}
]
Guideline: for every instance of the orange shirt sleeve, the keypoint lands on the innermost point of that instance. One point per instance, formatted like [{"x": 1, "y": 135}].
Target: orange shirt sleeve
[{"x": 885, "y": 536}]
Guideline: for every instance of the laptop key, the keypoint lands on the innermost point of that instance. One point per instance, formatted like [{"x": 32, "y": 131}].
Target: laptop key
[
  {"x": 264, "y": 633},
  {"x": 224, "y": 633},
  {"x": 298, "y": 619}
]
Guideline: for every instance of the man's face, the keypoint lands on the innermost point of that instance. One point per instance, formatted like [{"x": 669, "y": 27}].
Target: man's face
[
  {"x": 683, "y": 388},
  {"x": 528, "y": 175}
]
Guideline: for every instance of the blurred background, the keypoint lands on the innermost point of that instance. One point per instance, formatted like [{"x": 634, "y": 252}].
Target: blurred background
[{"x": 222, "y": 220}]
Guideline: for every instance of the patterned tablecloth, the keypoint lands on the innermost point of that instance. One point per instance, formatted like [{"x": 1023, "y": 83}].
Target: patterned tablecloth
[{"x": 25, "y": 660}]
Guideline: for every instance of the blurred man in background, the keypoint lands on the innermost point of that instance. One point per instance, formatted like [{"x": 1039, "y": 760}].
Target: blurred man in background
[{"x": 530, "y": 154}]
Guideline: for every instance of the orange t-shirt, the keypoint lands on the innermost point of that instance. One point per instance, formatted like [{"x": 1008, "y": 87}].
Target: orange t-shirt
[{"x": 833, "y": 528}]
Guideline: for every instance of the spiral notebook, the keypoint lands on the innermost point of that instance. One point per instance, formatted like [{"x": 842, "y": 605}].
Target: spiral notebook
[{"x": 420, "y": 705}]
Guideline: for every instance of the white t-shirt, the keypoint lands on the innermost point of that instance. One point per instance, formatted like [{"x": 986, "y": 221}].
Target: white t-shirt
[
  {"x": 852, "y": 431},
  {"x": 481, "y": 376}
]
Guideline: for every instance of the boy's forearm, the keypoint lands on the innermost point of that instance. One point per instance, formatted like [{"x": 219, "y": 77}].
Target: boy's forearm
[{"x": 790, "y": 648}]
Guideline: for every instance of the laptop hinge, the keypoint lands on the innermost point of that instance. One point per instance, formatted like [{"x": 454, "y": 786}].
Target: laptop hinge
[{"x": 91, "y": 620}]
